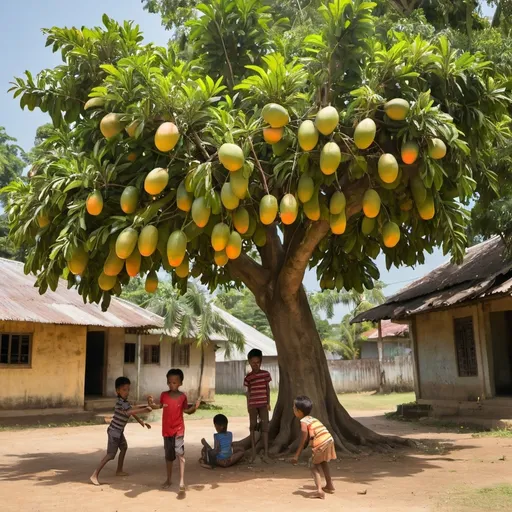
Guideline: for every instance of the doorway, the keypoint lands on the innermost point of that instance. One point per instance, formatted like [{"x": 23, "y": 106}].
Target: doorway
[
  {"x": 501, "y": 331},
  {"x": 94, "y": 363}
]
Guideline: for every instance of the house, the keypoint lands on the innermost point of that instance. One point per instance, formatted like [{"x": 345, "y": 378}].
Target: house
[
  {"x": 395, "y": 341},
  {"x": 58, "y": 353},
  {"x": 231, "y": 366},
  {"x": 460, "y": 319}
]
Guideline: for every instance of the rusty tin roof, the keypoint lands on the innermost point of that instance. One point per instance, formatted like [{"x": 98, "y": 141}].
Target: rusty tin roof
[{"x": 20, "y": 301}]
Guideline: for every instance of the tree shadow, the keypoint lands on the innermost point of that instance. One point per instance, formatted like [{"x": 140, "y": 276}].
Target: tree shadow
[{"x": 146, "y": 469}]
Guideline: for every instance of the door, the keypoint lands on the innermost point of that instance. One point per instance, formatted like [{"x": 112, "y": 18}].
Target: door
[
  {"x": 94, "y": 363},
  {"x": 501, "y": 324}
]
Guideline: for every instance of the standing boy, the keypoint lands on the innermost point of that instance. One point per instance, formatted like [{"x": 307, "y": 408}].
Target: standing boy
[
  {"x": 257, "y": 383},
  {"x": 174, "y": 404},
  {"x": 115, "y": 432}
]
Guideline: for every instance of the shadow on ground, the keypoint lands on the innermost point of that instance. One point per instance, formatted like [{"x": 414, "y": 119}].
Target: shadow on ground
[{"x": 147, "y": 471}]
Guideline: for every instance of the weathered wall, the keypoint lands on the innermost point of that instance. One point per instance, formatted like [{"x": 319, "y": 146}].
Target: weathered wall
[
  {"x": 438, "y": 372},
  {"x": 153, "y": 376},
  {"x": 347, "y": 376},
  {"x": 55, "y": 377}
]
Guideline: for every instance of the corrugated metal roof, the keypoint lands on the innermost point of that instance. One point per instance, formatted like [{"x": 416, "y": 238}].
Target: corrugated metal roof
[
  {"x": 253, "y": 339},
  {"x": 486, "y": 271},
  {"x": 389, "y": 330},
  {"x": 21, "y": 302}
]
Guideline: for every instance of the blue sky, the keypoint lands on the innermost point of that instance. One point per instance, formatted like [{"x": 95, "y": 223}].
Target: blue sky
[{"x": 23, "y": 43}]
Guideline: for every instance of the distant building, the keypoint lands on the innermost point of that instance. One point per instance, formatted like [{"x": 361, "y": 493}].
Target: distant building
[{"x": 395, "y": 341}]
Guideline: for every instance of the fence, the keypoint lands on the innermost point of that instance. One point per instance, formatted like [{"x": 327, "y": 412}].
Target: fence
[{"x": 347, "y": 376}]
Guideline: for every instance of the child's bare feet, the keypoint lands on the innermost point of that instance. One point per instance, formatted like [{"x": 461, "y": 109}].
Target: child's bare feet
[
  {"x": 166, "y": 484},
  {"x": 94, "y": 479},
  {"x": 329, "y": 489},
  {"x": 318, "y": 496},
  {"x": 266, "y": 459},
  {"x": 122, "y": 473},
  {"x": 205, "y": 466}
]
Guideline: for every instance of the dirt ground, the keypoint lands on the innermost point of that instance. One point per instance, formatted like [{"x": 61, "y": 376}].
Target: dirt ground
[{"x": 48, "y": 470}]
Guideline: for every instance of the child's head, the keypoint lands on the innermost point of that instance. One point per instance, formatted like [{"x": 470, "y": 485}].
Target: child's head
[
  {"x": 123, "y": 387},
  {"x": 255, "y": 357},
  {"x": 221, "y": 423},
  {"x": 174, "y": 379},
  {"x": 302, "y": 406}
]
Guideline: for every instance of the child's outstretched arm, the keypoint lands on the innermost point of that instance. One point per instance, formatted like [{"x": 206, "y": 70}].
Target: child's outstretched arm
[
  {"x": 193, "y": 409},
  {"x": 139, "y": 409},
  {"x": 142, "y": 423},
  {"x": 303, "y": 439},
  {"x": 151, "y": 403}
]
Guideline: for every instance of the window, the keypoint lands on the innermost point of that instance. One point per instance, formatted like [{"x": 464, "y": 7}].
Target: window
[
  {"x": 465, "y": 347},
  {"x": 15, "y": 349},
  {"x": 181, "y": 355},
  {"x": 129, "y": 352},
  {"x": 151, "y": 354}
]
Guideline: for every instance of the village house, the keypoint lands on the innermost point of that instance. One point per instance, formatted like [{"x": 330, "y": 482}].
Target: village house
[
  {"x": 58, "y": 353},
  {"x": 394, "y": 338},
  {"x": 460, "y": 321}
]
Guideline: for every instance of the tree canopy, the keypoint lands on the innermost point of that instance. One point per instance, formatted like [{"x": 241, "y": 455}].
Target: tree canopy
[{"x": 452, "y": 95}]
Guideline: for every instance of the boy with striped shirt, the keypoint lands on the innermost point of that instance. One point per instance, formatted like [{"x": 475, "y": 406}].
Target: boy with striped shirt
[
  {"x": 314, "y": 431},
  {"x": 257, "y": 383},
  {"x": 115, "y": 432}
]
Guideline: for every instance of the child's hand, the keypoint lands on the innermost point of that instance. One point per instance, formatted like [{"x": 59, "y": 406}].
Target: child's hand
[
  {"x": 294, "y": 461},
  {"x": 198, "y": 403},
  {"x": 148, "y": 426},
  {"x": 269, "y": 407}
]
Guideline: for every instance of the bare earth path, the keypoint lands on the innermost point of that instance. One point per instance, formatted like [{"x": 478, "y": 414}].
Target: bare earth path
[{"x": 48, "y": 470}]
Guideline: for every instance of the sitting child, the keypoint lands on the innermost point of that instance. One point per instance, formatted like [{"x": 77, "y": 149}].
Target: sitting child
[{"x": 222, "y": 452}]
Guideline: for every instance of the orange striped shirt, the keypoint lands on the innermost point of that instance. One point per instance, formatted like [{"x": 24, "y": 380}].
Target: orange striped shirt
[{"x": 317, "y": 432}]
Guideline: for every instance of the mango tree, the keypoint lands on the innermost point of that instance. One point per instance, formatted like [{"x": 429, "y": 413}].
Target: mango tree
[{"x": 321, "y": 160}]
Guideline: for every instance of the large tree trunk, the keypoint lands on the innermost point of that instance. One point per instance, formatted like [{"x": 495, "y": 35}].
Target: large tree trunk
[
  {"x": 277, "y": 287},
  {"x": 304, "y": 371}
]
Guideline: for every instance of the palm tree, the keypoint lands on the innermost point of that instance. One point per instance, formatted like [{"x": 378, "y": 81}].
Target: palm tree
[
  {"x": 348, "y": 344},
  {"x": 187, "y": 316},
  {"x": 326, "y": 300}
]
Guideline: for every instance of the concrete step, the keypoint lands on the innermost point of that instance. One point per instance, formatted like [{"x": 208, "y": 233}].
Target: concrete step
[{"x": 480, "y": 421}]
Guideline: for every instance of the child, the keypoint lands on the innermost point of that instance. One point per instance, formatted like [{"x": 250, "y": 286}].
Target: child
[
  {"x": 115, "y": 432},
  {"x": 323, "y": 445},
  {"x": 222, "y": 453},
  {"x": 258, "y": 399},
  {"x": 174, "y": 403}
]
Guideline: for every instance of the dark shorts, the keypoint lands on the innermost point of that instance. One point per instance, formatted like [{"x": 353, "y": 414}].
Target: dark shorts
[
  {"x": 262, "y": 414},
  {"x": 115, "y": 442},
  {"x": 173, "y": 446}
]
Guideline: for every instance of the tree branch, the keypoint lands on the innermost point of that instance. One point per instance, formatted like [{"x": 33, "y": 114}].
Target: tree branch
[
  {"x": 292, "y": 274},
  {"x": 272, "y": 253},
  {"x": 252, "y": 274},
  {"x": 258, "y": 165},
  {"x": 200, "y": 146}
]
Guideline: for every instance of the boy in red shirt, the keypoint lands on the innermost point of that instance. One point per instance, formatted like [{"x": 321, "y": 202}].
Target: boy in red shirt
[
  {"x": 257, "y": 383},
  {"x": 174, "y": 404}
]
